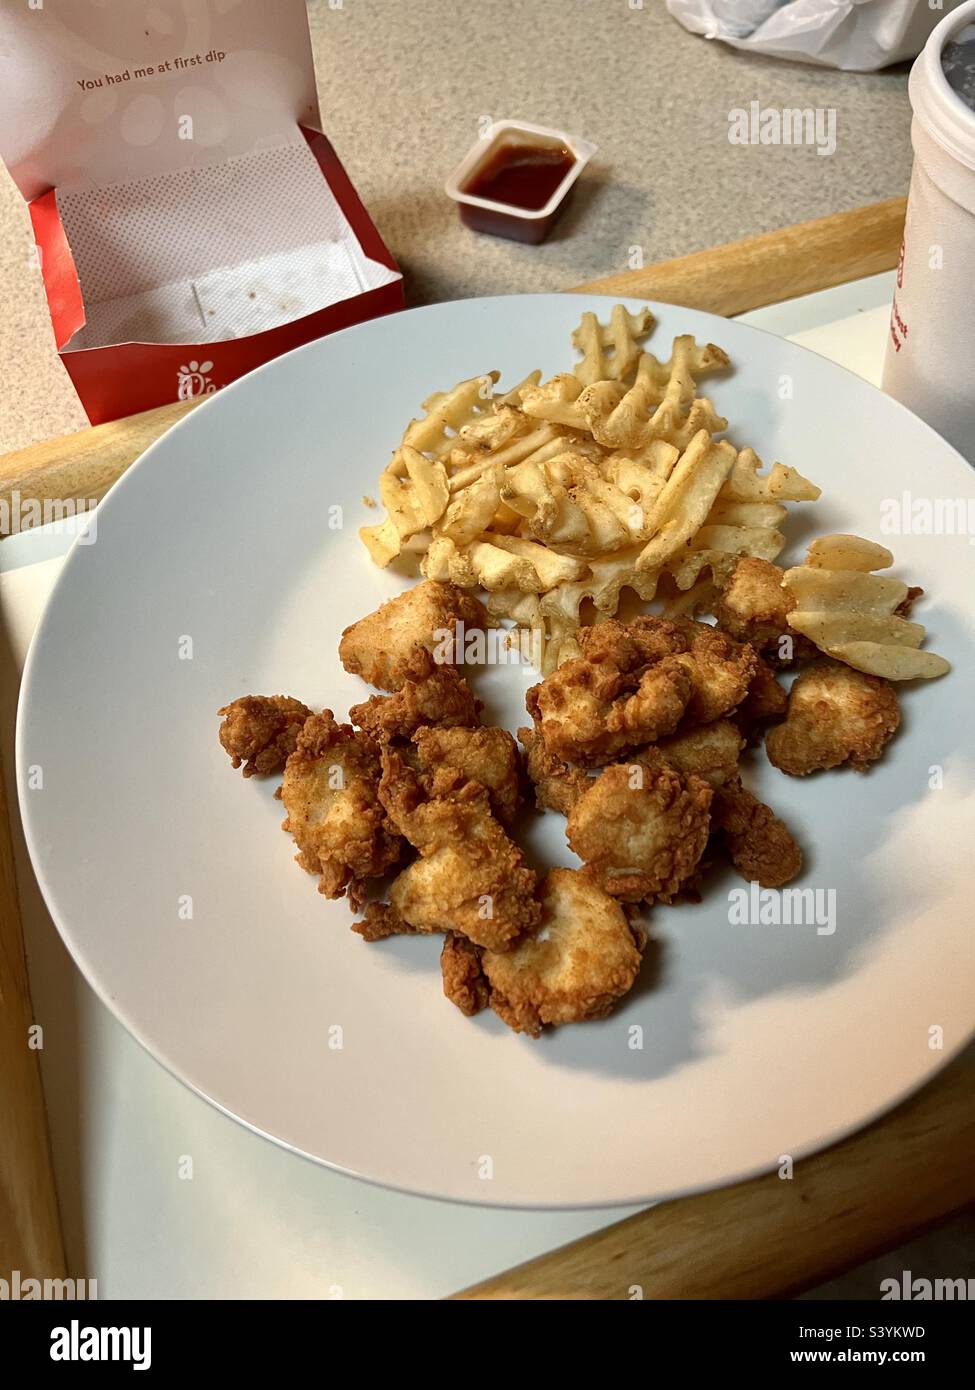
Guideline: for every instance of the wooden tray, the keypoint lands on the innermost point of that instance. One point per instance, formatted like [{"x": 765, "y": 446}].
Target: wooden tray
[{"x": 765, "y": 1238}]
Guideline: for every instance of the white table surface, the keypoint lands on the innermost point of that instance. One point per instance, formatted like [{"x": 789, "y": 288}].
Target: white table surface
[{"x": 255, "y": 1221}]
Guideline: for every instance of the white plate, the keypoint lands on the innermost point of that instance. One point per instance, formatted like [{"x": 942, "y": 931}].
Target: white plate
[{"x": 758, "y": 1041}]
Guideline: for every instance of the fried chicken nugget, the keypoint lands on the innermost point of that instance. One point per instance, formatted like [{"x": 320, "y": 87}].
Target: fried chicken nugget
[
  {"x": 464, "y": 983},
  {"x": 635, "y": 684},
  {"x": 261, "y": 731},
  {"x": 558, "y": 785},
  {"x": 760, "y": 846},
  {"x": 331, "y": 794},
  {"x": 836, "y": 715},
  {"x": 430, "y": 694},
  {"x": 753, "y": 606},
  {"x": 470, "y": 877},
  {"x": 379, "y": 647},
  {"x": 627, "y": 688},
  {"x": 449, "y": 758},
  {"x": 641, "y": 831},
  {"x": 765, "y": 701},
  {"x": 583, "y": 960},
  {"x": 720, "y": 668},
  {"x": 710, "y": 751}
]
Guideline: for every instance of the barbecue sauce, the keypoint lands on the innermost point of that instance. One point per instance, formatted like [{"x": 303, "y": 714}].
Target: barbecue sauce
[{"x": 521, "y": 176}]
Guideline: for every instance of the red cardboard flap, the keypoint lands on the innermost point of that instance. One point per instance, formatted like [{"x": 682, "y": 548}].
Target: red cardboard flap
[{"x": 57, "y": 268}]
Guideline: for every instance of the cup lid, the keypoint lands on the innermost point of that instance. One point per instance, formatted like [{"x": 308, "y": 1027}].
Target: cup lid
[{"x": 937, "y": 106}]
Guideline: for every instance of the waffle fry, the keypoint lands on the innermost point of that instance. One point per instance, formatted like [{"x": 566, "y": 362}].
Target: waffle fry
[
  {"x": 452, "y": 410},
  {"x": 685, "y": 500},
  {"x": 557, "y": 496},
  {"x": 609, "y": 351},
  {"x": 849, "y": 612},
  {"x": 660, "y": 403}
]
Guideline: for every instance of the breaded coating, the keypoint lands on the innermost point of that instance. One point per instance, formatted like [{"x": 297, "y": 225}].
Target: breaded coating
[
  {"x": 655, "y": 707},
  {"x": 558, "y": 785},
  {"x": 470, "y": 877},
  {"x": 463, "y": 979},
  {"x": 761, "y": 846},
  {"x": 430, "y": 694},
  {"x": 448, "y": 758},
  {"x": 261, "y": 731},
  {"x": 752, "y": 605},
  {"x": 635, "y": 684},
  {"x": 628, "y": 687},
  {"x": 584, "y": 958},
  {"x": 721, "y": 670},
  {"x": 836, "y": 715},
  {"x": 630, "y": 646},
  {"x": 906, "y": 605},
  {"x": 641, "y": 830},
  {"x": 766, "y": 701},
  {"x": 710, "y": 752},
  {"x": 573, "y": 706},
  {"x": 331, "y": 794},
  {"x": 380, "y": 921},
  {"x": 380, "y": 647}
]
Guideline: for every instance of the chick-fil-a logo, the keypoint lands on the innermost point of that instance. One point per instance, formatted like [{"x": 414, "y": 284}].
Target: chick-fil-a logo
[{"x": 192, "y": 380}]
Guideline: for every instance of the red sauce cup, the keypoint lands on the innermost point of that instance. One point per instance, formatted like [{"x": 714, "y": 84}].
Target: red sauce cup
[{"x": 512, "y": 219}]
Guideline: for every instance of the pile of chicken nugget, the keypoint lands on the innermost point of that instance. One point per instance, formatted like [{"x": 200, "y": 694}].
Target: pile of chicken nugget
[{"x": 636, "y": 742}]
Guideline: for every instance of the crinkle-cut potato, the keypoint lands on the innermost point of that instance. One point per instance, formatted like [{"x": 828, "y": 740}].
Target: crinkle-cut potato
[
  {"x": 660, "y": 403},
  {"x": 557, "y": 496},
  {"x": 747, "y": 484},
  {"x": 851, "y": 614},
  {"x": 841, "y": 552},
  {"x": 609, "y": 351}
]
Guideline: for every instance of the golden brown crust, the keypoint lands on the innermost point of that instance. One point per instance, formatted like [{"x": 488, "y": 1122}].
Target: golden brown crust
[
  {"x": 760, "y": 845},
  {"x": 331, "y": 794},
  {"x": 380, "y": 921},
  {"x": 711, "y": 752},
  {"x": 429, "y": 695},
  {"x": 382, "y": 646},
  {"x": 836, "y": 715},
  {"x": 450, "y": 758},
  {"x": 464, "y": 983},
  {"x": 470, "y": 877},
  {"x": 721, "y": 670},
  {"x": 637, "y": 683},
  {"x": 260, "y": 731},
  {"x": 641, "y": 830},
  {"x": 765, "y": 702},
  {"x": 752, "y": 605},
  {"x": 582, "y": 961},
  {"x": 558, "y": 785}
]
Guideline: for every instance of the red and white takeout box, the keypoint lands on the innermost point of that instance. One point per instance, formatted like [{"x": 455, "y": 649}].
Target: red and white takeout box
[{"x": 191, "y": 219}]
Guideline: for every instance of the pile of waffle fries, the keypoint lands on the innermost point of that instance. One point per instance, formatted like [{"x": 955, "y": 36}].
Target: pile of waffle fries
[{"x": 560, "y": 497}]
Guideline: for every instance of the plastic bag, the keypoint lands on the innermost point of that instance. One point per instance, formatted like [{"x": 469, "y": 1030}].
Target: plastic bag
[{"x": 858, "y": 35}]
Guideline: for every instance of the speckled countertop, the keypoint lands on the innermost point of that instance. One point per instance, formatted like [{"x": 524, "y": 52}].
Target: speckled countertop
[{"x": 403, "y": 85}]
